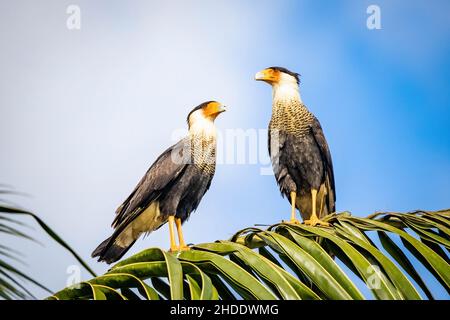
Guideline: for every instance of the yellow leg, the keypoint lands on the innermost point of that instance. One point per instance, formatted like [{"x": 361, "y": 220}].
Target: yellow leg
[
  {"x": 313, "y": 220},
  {"x": 183, "y": 245},
  {"x": 322, "y": 201},
  {"x": 173, "y": 244},
  {"x": 293, "y": 218}
]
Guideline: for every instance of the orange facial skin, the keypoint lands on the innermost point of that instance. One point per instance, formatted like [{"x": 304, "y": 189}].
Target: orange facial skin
[
  {"x": 213, "y": 109},
  {"x": 268, "y": 75}
]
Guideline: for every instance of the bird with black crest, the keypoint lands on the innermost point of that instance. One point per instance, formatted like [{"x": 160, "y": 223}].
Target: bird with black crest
[
  {"x": 170, "y": 190},
  {"x": 299, "y": 152}
]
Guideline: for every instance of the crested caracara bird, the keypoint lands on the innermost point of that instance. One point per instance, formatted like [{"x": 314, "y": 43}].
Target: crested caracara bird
[
  {"x": 170, "y": 190},
  {"x": 299, "y": 152}
]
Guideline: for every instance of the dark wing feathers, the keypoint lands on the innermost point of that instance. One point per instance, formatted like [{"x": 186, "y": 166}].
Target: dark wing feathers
[
  {"x": 317, "y": 131},
  {"x": 163, "y": 172},
  {"x": 278, "y": 138},
  {"x": 281, "y": 162},
  {"x": 285, "y": 160}
]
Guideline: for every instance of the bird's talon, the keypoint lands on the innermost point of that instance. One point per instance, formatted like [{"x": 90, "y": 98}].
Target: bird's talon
[
  {"x": 174, "y": 249},
  {"x": 185, "y": 248},
  {"x": 315, "y": 222},
  {"x": 291, "y": 221}
]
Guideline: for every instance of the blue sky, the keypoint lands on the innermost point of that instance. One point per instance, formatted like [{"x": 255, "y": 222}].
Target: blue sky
[{"x": 84, "y": 113}]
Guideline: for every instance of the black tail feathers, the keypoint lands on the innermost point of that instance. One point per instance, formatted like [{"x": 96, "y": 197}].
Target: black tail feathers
[{"x": 109, "y": 251}]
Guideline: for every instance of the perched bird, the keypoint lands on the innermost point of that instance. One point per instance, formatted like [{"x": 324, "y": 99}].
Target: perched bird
[
  {"x": 299, "y": 152},
  {"x": 170, "y": 190}
]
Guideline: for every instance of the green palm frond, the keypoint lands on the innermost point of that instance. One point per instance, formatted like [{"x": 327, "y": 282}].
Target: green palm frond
[
  {"x": 291, "y": 262},
  {"x": 12, "y": 280}
]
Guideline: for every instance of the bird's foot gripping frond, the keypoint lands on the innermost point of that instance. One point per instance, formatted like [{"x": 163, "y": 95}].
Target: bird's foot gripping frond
[
  {"x": 292, "y": 221},
  {"x": 314, "y": 221},
  {"x": 179, "y": 248},
  {"x": 174, "y": 249}
]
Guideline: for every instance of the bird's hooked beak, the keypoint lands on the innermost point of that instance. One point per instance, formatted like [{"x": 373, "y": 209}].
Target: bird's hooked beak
[
  {"x": 213, "y": 109},
  {"x": 268, "y": 75},
  {"x": 222, "y": 109}
]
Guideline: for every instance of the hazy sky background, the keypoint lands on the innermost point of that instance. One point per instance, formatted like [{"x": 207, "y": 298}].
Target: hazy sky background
[{"x": 83, "y": 114}]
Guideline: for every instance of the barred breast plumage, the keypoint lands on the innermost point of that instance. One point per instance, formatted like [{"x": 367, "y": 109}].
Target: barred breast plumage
[
  {"x": 291, "y": 116},
  {"x": 203, "y": 152}
]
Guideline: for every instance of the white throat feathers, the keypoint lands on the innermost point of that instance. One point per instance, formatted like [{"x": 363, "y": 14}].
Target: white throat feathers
[
  {"x": 286, "y": 89},
  {"x": 201, "y": 125}
]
